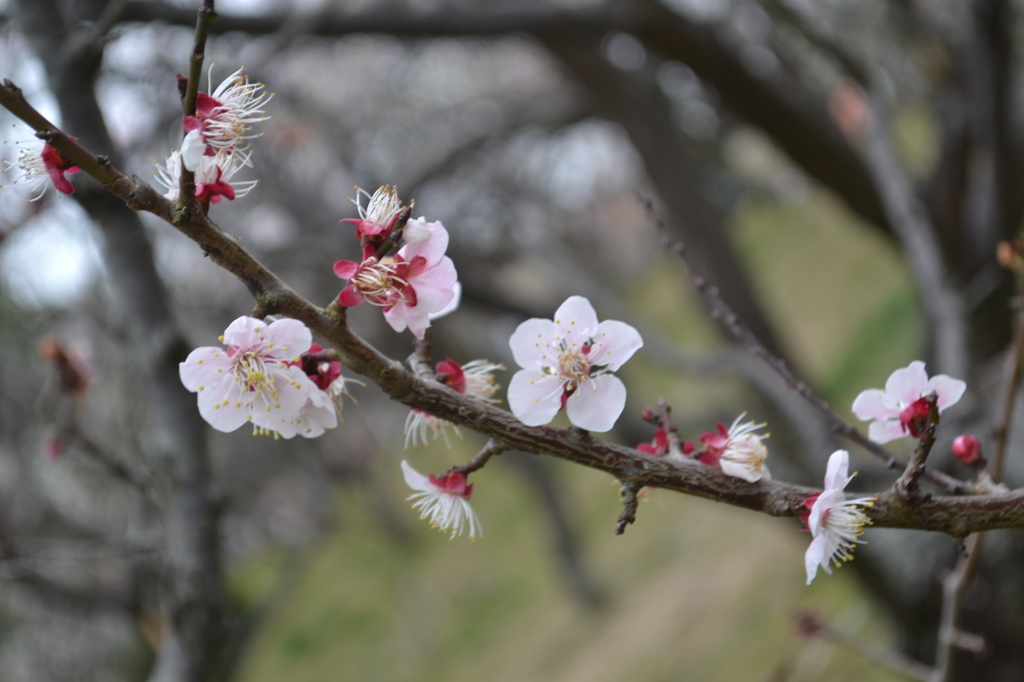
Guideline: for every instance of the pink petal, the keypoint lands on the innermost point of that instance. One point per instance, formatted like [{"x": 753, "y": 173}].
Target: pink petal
[
  {"x": 597, "y": 403},
  {"x": 416, "y": 480},
  {"x": 349, "y": 297},
  {"x": 883, "y": 432},
  {"x": 905, "y": 385},
  {"x": 836, "y": 474},
  {"x": 59, "y": 181},
  {"x": 614, "y": 343},
  {"x": 346, "y": 269},
  {"x": 451, "y": 306},
  {"x": 533, "y": 397},
  {"x": 435, "y": 286},
  {"x": 401, "y": 316},
  {"x": 875, "y": 404},
  {"x": 206, "y": 105},
  {"x": 431, "y": 249},
  {"x": 530, "y": 343},
  {"x": 201, "y": 365},
  {"x": 948, "y": 389}
]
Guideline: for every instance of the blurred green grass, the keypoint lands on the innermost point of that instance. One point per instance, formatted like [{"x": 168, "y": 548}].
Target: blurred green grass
[{"x": 697, "y": 591}]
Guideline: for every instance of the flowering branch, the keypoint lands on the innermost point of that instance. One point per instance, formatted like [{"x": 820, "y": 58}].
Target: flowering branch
[{"x": 721, "y": 311}]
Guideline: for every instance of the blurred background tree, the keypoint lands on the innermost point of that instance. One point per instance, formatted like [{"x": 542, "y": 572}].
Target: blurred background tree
[{"x": 775, "y": 135}]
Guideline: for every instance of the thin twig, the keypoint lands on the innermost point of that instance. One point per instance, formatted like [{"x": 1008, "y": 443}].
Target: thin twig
[
  {"x": 720, "y": 310},
  {"x": 954, "y": 590},
  {"x": 481, "y": 458},
  {"x": 809, "y": 624},
  {"x": 906, "y": 485},
  {"x": 629, "y": 504}
]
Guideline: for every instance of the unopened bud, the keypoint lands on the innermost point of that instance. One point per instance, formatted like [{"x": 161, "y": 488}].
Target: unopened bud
[
  {"x": 967, "y": 449},
  {"x": 649, "y": 415}
]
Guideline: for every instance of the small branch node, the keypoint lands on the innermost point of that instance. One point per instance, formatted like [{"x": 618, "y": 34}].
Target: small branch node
[{"x": 629, "y": 503}]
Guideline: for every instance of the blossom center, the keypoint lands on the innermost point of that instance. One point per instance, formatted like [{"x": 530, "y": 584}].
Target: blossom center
[
  {"x": 376, "y": 282},
  {"x": 573, "y": 365}
]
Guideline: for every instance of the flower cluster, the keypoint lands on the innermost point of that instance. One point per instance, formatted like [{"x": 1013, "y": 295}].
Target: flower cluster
[
  {"x": 902, "y": 408},
  {"x": 216, "y": 144},
  {"x": 39, "y": 165},
  {"x": 412, "y": 288},
  {"x": 268, "y": 375},
  {"x": 834, "y": 522},
  {"x": 568, "y": 363},
  {"x": 475, "y": 379}
]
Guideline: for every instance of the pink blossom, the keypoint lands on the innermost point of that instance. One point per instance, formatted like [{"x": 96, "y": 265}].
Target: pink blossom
[
  {"x": 834, "y": 522},
  {"x": 569, "y": 362},
  {"x": 419, "y": 281},
  {"x": 444, "y": 502},
  {"x": 39, "y": 163},
  {"x": 213, "y": 177},
  {"x": 223, "y": 119},
  {"x": 255, "y": 379},
  {"x": 897, "y": 410},
  {"x": 658, "y": 446},
  {"x": 737, "y": 451}
]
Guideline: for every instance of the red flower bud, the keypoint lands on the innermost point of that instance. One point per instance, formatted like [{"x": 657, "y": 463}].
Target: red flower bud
[{"x": 967, "y": 449}]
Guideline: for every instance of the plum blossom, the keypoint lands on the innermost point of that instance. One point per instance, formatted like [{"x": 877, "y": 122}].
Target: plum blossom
[
  {"x": 834, "y": 522},
  {"x": 444, "y": 502},
  {"x": 39, "y": 163},
  {"x": 323, "y": 406},
  {"x": 380, "y": 214},
  {"x": 223, "y": 119},
  {"x": 568, "y": 363},
  {"x": 419, "y": 281},
  {"x": 475, "y": 379},
  {"x": 213, "y": 177},
  {"x": 255, "y": 379},
  {"x": 737, "y": 451},
  {"x": 901, "y": 408}
]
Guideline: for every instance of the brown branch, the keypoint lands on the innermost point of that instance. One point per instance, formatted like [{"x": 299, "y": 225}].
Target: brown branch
[
  {"x": 204, "y": 20},
  {"x": 954, "y": 591},
  {"x": 630, "y": 500},
  {"x": 956, "y": 516},
  {"x": 481, "y": 458},
  {"x": 1001, "y": 432},
  {"x": 721, "y": 311}
]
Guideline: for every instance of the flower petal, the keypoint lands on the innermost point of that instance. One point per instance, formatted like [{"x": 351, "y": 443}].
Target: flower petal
[
  {"x": 193, "y": 148},
  {"x": 242, "y": 332},
  {"x": 529, "y": 343},
  {"x": 883, "y": 432},
  {"x": 576, "y": 320},
  {"x": 597, "y": 403},
  {"x": 451, "y": 306},
  {"x": 222, "y": 408},
  {"x": 905, "y": 385},
  {"x": 291, "y": 338},
  {"x": 416, "y": 480},
  {"x": 948, "y": 389},
  {"x": 837, "y": 472},
  {"x": 431, "y": 248},
  {"x": 875, "y": 404},
  {"x": 533, "y": 397},
  {"x": 737, "y": 470},
  {"x": 614, "y": 343},
  {"x": 201, "y": 367},
  {"x": 814, "y": 557}
]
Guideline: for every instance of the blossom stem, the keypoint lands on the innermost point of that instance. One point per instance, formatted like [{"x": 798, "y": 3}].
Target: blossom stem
[
  {"x": 395, "y": 234},
  {"x": 481, "y": 458},
  {"x": 204, "y": 20},
  {"x": 906, "y": 486}
]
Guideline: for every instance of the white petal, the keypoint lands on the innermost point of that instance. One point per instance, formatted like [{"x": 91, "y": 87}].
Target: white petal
[
  {"x": 530, "y": 343},
  {"x": 905, "y": 385},
  {"x": 416, "y": 480},
  {"x": 825, "y": 501},
  {"x": 193, "y": 147},
  {"x": 291, "y": 338},
  {"x": 223, "y": 416},
  {"x": 814, "y": 557},
  {"x": 416, "y": 230},
  {"x": 614, "y": 343},
  {"x": 882, "y": 432},
  {"x": 201, "y": 365},
  {"x": 597, "y": 403},
  {"x": 837, "y": 472},
  {"x": 875, "y": 404},
  {"x": 948, "y": 389},
  {"x": 242, "y": 332},
  {"x": 576, "y": 320},
  {"x": 737, "y": 470},
  {"x": 451, "y": 306},
  {"x": 534, "y": 398},
  {"x": 435, "y": 286}
]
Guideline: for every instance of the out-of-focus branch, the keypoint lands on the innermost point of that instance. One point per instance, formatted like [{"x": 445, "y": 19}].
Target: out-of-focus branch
[
  {"x": 954, "y": 591},
  {"x": 943, "y": 304},
  {"x": 1001, "y": 430},
  {"x": 721, "y": 311},
  {"x": 809, "y": 625}
]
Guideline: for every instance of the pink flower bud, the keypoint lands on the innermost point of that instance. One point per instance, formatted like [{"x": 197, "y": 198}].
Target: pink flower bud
[{"x": 967, "y": 449}]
